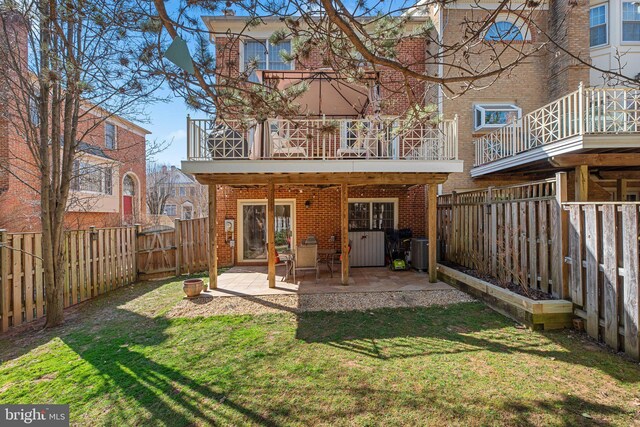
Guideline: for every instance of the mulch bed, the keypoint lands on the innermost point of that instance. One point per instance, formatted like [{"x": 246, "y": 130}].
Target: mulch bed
[{"x": 534, "y": 294}]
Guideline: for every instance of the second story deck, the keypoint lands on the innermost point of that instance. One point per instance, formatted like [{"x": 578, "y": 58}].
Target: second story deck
[
  {"x": 603, "y": 122},
  {"x": 321, "y": 145}
]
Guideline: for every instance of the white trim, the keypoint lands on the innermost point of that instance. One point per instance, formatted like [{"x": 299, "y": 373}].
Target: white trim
[
  {"x": 492, "y": 106},
  {"x": 370, "y": 200},
  {"x": 115, "y": 135},
  {"x": 607, "y": 22},
  {"x": 240, "y": 222},
  {"x": 267, "y": 43},
  {"x": 624, "y": 42},
  {"x": 321, "y": 166},
  {"x": 516, "y": 21},
  {"x": 136, "y": 208}
]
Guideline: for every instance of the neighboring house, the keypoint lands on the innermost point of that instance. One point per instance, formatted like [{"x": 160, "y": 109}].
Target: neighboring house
[
  {"x": 186, "y": 198},
  {"x": 109, "y": 185},
  {"x": 337, "y": 171},
  {"x": 614, "y": 39}
]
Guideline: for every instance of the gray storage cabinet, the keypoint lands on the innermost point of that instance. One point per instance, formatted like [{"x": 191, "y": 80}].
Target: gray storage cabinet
[{"x": 367, "y": 248}]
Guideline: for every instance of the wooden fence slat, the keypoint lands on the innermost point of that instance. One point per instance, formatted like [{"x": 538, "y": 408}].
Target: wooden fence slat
[
  {"x": 507, "y": 241},
  {"x": 5, "y": 290},
  {"x": 631, "y": 297},
  {"x": 17, "y": 279},
  {"x": 533, "y": 245},
  {"x": 593, "y": 261},
  {"x": 610, "y": 284},
  {"x": 73, "y": 265},
  {"x": 39, "y": 278},
  {"x": 575, "y": 251},
  {"x": 523, "y": 244},
  {"x": 543, "y": 254},
  {"x": 28, "y": 277},
  {"x": 515, "y": 241}
]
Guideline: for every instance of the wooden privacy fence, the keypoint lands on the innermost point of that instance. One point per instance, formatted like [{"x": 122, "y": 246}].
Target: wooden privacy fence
[
  {"x": 174, "y": 251},
  {"x": 97, "y": 261},
  {"x": 530, "y": 235},
  {"x": 603, "y": 273},
  {"x": 510, "y": 233}
]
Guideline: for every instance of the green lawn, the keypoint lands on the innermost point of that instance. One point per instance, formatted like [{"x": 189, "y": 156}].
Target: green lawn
[{"x": 118, "y": 361}]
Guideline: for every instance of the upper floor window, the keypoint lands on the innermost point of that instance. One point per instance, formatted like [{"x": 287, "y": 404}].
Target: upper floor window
[
  {"x": 598, "y": 25},
  {"x": 183, "y": 191},
  {"x": 110, "y": 136},
  {"x": 92, "y": 178},
  {"x": 262, "y": 55},
  {"x": 170, "y": 210},
  {"x": 504, "y": 31},
  {"x": 495, "y": 115},
  {"x": 630, "y": 21}
]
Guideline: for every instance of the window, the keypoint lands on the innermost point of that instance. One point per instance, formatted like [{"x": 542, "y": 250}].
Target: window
[
  {"x": 92, "y": 178},
  {"x": 598, "y": 32},
  {"x": 187, "y": 212},
  {"x": 630, "y": 21},
  {"x": 192, "y": 192},
  {"x": 503, "y": 31},
  {"x": 495, "y": 115},
  {"x": 34, "y": 112},
  {"x": 372, "y": 215},
  {"x": 110, "y": 136},
  {"x": 183, "y": 191},
  {"x": 170, "y": 210},
  {"x": 262, "y": 55}
]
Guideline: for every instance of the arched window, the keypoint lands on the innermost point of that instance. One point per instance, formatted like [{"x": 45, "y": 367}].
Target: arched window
[
  {"x": 128, "y": 186},
  {"x": 504, "y": 31}
]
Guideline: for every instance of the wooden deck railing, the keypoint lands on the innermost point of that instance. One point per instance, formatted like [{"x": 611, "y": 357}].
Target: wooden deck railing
[
  {"x": 321, "y": 139},
  {"x": 585, "y": 111}
]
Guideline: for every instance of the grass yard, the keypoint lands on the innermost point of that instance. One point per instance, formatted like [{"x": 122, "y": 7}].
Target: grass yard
[{"x": 120, "y": 361}]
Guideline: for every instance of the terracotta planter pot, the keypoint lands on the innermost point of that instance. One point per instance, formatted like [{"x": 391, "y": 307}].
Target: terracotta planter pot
[{"x": 192, "y": 287}]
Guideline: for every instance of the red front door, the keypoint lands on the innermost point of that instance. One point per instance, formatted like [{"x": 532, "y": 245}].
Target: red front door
[{"x": 127, "y": 206}]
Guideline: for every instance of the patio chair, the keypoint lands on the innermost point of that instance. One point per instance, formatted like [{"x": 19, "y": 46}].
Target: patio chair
[
  {"x": 282, "y": 146},
  {"x": 306, "y": 259}
]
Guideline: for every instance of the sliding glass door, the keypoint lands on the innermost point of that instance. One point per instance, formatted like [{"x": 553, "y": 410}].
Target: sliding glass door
[{"x": 252, "y": 242}]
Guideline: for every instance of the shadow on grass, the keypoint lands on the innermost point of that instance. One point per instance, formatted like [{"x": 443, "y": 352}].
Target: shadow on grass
[{"x": 458, "y": 328}]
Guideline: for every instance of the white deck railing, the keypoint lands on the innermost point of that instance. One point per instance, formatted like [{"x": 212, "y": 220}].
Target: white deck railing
[
  {"x": 321, "y": 139},
  {"x": 585, "y": 111}
]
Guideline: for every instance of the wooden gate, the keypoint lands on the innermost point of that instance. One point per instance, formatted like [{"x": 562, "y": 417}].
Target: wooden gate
[{"x": 156, "y": 253}]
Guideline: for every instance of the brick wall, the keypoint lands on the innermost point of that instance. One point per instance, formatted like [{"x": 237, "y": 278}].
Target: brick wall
[
  {"x": 19, "y": 181},
  {"x": 322, "y": 217},
  {"x": 525, "y": 86},
  {"x": 569, "y": 28}
]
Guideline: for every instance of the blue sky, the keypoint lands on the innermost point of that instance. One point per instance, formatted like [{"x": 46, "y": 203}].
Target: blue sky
[{"x": 167, "y": 122}]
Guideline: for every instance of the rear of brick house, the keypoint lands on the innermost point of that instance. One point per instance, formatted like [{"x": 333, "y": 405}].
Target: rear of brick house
[
  {"x": 241, "y": 167},
  {"x": 114, "y": 151}
]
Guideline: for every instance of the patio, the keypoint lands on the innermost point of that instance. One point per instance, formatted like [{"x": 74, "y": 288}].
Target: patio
[{"x": 253, "y": 281}]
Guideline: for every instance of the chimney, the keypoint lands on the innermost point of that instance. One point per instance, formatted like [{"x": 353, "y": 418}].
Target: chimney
[
  {"x": 164, "y": 169},
  {"x": 173, "y": 168}
]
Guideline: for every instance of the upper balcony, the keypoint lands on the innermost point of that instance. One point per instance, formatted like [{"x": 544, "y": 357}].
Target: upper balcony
[
  {"x": 567, "y": 131},
  {"x": 321, "y": 145}
]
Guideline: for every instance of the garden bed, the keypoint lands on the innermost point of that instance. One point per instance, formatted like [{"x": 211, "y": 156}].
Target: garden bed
[{"x": 536, "y": 314}]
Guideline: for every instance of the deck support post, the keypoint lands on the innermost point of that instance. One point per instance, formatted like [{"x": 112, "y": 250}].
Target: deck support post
[
  {"x": 344, "y": 231},
  {"x": 271, "y": 233},
  {"x": 621, "y": 189},
  {"x": 432, "y": 210},
  {"x": 582, "y": 183},
  {"x": 213, "y": 239}
]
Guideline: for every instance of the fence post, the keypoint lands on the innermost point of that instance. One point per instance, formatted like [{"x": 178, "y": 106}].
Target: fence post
[
  {"x": 453, "y": 246},
  {"x": 177, "y": 235},
  {"x": 559, "y": 240},
  {"x": 494, "y": 231},
  {"x": 4, "y": 278},
  {"x": 136, "y": 248}
]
